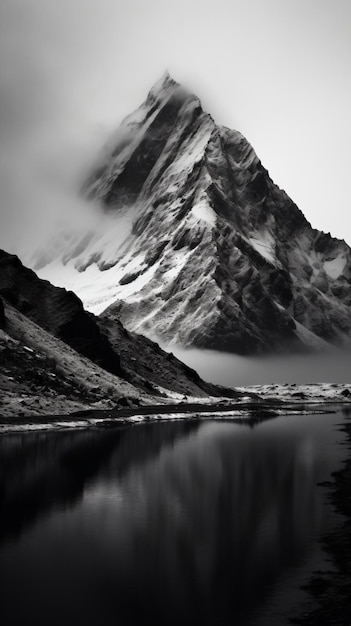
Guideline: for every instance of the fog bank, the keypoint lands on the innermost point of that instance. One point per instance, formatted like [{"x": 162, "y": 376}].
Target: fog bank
[{"x": 233, "y": 370}]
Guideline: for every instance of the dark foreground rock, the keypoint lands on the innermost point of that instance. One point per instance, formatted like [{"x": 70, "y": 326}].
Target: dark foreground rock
[{"x": 58, "y": 311}]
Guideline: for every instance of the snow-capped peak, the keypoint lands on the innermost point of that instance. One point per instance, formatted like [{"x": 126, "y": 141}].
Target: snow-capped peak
[
  {"x": 164, "y": 85},
  {"x": 199, "y": 246}
]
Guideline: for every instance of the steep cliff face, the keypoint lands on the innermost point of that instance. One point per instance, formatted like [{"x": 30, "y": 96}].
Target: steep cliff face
[{"x": 198, "y": 245}]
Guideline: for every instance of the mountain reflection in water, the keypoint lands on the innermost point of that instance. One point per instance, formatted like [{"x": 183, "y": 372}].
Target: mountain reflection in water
[{"x": 178, "y": 523}]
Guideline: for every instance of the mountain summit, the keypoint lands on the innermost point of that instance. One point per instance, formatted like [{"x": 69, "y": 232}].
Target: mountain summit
[{"x": 198, "y": 245}]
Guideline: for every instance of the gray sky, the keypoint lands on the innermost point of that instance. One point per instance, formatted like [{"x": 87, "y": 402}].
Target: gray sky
[{"x": 277, "y": 70}]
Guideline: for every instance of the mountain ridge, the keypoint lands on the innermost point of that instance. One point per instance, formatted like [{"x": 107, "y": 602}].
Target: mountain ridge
[
  {"x": 199, "y": 246},
  {"x": 55, "y": 357}
]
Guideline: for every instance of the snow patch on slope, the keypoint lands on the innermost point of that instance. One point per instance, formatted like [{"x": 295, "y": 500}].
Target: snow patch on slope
[
  {"x": 196, "y": 147},
  {"x": 203, "y": 211},
  {"x": 177, "y": 261},
  {"x": 264, "y": 244},
  {"x": 98, "y": 289},
  {"x": 335, "y": 268}
]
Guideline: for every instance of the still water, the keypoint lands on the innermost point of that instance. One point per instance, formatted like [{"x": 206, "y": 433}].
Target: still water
[{"x": 164, "y": 524}]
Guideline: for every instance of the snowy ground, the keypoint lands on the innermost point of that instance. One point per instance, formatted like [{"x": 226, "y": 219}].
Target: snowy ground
[{"x": 309, "y": 393}]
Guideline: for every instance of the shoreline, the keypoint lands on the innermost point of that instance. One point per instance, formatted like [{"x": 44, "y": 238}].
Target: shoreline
[
  {"x": 117, "y": 417},
  {"x": 331, "y": 590},
  {"x": 18, "y": 409}
]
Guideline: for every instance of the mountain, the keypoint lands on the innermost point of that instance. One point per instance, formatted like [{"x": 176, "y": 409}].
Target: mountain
[
  {"x": 55, "y": 356},
  {"x": 57, "y": 311},
  {"x": 42, "y": 375},
  {"x": 197, "y": 245}
]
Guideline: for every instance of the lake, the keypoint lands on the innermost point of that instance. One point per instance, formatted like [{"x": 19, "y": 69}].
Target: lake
[{"x": 178, "y": 523}]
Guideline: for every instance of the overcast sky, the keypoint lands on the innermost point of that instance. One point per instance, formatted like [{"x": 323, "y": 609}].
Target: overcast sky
[{"x": 277, "y": 70}]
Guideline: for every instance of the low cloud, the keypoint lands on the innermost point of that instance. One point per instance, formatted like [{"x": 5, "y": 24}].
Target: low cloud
[{"x": 233, "y": 370}]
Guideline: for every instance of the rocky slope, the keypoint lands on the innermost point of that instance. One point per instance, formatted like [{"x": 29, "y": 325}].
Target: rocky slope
[
  {"x": 56, "y": 357},
  {"x": 41, "y": 375},
  {"x": 148, "y": 367},
  {"x": 57, "y": 311},
  {"x": 198, "y": 246}
]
